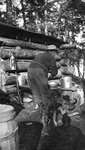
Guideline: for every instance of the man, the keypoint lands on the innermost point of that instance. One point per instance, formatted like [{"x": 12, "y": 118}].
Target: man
[{"x": 39, "y": 68}]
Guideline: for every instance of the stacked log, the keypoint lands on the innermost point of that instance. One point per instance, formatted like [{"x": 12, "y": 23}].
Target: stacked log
[
  {"x": 23, "y": 57},
  {"x": 5, "y": 52},
  {"x": 23, "y": 44},
  {"x": 24, "y": 53}
]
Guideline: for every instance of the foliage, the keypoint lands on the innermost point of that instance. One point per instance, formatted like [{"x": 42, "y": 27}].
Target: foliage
[{"x": 56, "y": 16}]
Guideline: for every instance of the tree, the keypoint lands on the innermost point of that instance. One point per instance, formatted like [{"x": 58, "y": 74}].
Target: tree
[{"x": 10, "y": 15}]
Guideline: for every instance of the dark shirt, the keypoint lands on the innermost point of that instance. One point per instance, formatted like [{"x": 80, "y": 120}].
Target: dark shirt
[{"x": 61, "y": 138}]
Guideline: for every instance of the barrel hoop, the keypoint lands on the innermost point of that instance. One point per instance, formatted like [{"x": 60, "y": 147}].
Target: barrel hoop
[{"x": 5, "y": 138}]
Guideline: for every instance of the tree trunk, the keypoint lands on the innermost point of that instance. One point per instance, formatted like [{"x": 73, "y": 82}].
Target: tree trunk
[
  {"x": 46, "y": 26},
  {"x": 83, "y": 105},
  {"x": 83, "y": 86},
  {"x": 23, "y": 14},
  {"x": 37, "y": 23},
  {"x": 9, "y": 11}
]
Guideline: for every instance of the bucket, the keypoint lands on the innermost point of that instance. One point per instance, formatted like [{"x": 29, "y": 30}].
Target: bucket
[{"x": 8, "y": 128}]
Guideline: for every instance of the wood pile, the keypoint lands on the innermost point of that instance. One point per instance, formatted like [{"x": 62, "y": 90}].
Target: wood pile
[
  {"x": 25, "y": 46},
  {"x": 24, "y": 53}
]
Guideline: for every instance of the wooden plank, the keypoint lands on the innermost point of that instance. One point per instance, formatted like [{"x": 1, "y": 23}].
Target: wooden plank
[{"x": 12, "y": 42}]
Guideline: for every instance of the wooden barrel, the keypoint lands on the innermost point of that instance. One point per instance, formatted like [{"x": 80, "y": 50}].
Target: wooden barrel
[{"x": 8, "y": 128}]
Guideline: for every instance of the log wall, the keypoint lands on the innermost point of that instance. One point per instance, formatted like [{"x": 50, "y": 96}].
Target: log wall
[
  {"x": 23, "y": 57},
  {"x": 24, "y": 46}
]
